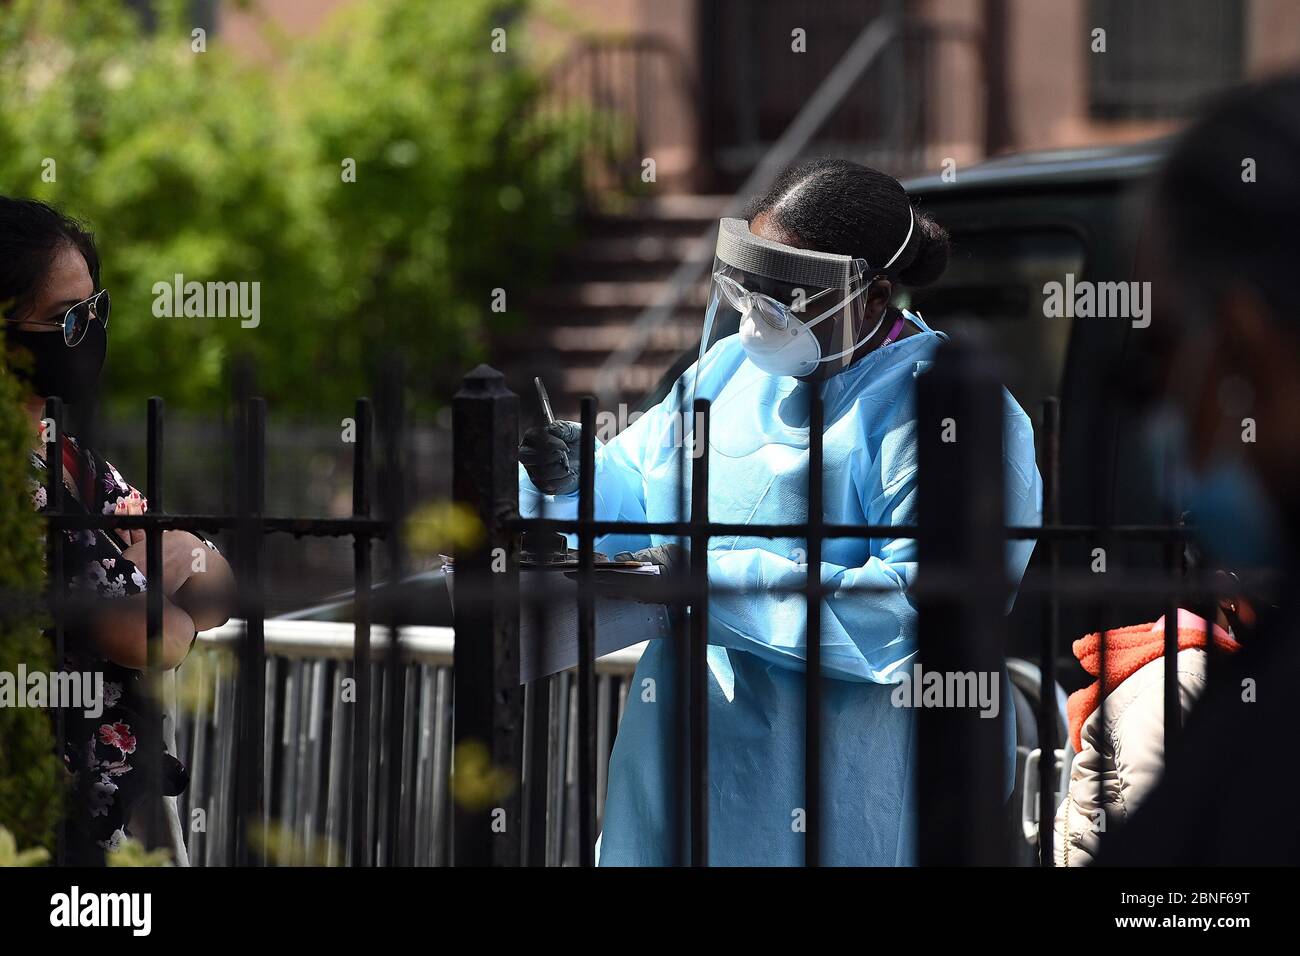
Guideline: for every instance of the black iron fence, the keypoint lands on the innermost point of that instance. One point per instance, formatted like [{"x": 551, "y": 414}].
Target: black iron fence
[
  {"x": 505, "y": 731},
  {"x": 250, "y": 525},
  {"x": 961, "y": 596}
]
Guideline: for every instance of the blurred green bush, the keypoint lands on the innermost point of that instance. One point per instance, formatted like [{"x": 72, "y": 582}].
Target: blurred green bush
[
  {"x": 220, "y": 167},
  {"x": 31, "y": 783}
]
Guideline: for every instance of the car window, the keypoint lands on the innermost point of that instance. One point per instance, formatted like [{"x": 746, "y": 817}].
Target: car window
[{"x": 994, "y": 283}]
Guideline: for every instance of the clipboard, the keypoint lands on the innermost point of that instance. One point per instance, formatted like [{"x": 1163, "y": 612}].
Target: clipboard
[{"x": 552, "y": 592}]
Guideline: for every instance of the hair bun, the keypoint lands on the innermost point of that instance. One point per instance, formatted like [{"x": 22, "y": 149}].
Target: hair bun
[{"x": 931, "y": 258}]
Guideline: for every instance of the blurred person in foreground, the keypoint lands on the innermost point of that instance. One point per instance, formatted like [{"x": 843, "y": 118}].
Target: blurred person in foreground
[
  {"x": 56, "y": 317},
  {"x": 1225, "y": 270}
]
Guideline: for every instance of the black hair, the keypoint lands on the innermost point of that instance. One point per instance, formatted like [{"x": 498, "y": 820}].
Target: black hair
[
  {"x": 1219, "y": 225},
  {"x": 837, "y": 206},
  {"x": 31, "y": 235}
]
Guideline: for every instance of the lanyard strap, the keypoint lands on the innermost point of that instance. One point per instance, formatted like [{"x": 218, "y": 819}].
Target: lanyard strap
[{"x": 895, "y": 332}]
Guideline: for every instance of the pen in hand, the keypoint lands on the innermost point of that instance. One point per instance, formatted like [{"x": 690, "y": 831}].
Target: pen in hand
[{"x": 545, "y": 399}]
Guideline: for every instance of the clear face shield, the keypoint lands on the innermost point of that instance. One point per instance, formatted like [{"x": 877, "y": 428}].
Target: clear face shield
[
  {"x": 793, "y": 312},
  {"x": 777, "y": 316}
]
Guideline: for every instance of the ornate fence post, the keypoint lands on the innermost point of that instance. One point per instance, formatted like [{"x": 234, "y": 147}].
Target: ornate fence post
[
  {"x": 489, "y": 701},
  {"x": 962, "y": 593}
]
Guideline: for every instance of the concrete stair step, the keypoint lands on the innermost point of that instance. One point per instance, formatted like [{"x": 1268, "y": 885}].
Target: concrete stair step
[
  {"x": 605, "y": 282},
  {"x": 694, "y": 206},
  {"x": 626, "y": 295},
  {"x": 638, "y": 249},
  {"x": 538, "y": 317},
  {"x": 634, "y": 381},
  {"x": 634, "y": 227},
  {"x": 641, "y": 258},
  {"x": 569, "y": 380},
  {"x": 668, "y": 208},
  {"x": 670, "y": 337}
]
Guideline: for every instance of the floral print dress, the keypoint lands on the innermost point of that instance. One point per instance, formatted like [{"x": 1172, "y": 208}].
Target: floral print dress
[{"x": 108, "y": 757}]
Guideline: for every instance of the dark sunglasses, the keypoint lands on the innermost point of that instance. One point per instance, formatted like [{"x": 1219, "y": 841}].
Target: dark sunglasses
[{"x": 78, "y": 318}]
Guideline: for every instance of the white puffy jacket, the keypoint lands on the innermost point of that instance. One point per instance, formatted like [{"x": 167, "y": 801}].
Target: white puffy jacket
[{"x": 1120, "y": 763}]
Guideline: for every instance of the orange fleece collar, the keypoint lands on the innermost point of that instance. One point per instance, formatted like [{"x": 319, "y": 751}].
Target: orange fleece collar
[{"x": 1127, "y": 650}]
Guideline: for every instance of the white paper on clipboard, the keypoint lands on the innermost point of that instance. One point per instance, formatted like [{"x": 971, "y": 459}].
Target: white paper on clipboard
[{"x": 620, "y": 623}]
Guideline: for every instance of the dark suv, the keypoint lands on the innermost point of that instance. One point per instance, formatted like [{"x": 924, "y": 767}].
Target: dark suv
[{"x": 1018, "y": 223}]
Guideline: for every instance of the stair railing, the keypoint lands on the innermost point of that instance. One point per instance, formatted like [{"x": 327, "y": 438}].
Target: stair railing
[
  {"x": 827, "y": 98},
  {"x": 611, "y": 80}
]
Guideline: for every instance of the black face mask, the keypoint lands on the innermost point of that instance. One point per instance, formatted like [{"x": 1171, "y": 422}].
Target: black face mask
[{"x": 70, "y": 373}]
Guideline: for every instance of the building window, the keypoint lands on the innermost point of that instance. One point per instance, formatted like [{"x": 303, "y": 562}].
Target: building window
[
  {"x": 204, "y": 13},
  {"x": 1163, "y": 57}
]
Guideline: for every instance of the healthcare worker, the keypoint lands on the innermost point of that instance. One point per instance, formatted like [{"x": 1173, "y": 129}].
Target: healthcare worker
[{"x": 801, "y": 299}]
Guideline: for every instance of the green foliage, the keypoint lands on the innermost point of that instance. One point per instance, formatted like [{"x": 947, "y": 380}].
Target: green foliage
[
  {"x": 133, "y": 853},
  {"x": 279, "y": 844},
  {"x": 222, "y": 168},
  {"x": 10, "y": 855},
  {"x": 30, "y": 778}
]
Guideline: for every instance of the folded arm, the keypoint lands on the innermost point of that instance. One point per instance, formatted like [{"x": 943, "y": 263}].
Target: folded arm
[
  {"x": 197, "y": 588},
  {"x": 119, "y": 630},
  {"x": 196, "y": 578},
  {"x": 866, "y": 635}
]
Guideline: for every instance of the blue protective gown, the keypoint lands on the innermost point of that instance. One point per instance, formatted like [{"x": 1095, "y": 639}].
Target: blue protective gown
[{"x": 758, "y": 474}]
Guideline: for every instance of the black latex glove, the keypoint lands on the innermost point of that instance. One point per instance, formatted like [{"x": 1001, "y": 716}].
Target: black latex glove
[
  {"x": 549, "y": 453},
  {"x": 670, "y": 557}
]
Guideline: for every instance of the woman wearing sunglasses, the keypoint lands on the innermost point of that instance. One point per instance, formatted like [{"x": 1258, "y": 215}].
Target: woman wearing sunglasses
[{"x": 55, "y": 317}]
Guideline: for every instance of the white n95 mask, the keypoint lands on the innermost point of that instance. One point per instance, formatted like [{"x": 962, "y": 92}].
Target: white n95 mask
[{"x": 780, "y": 343}]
